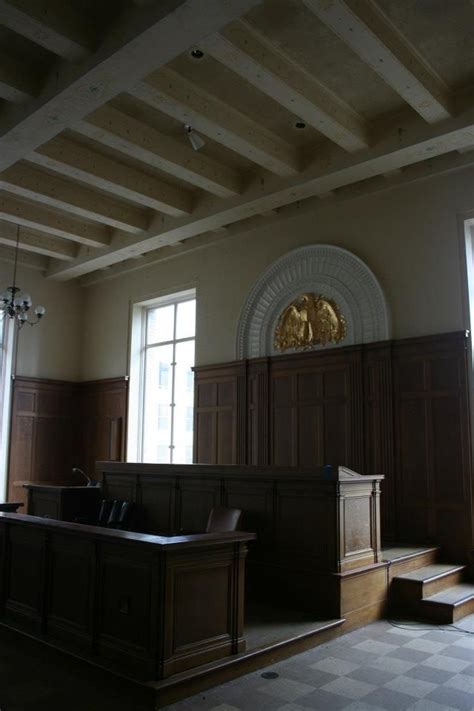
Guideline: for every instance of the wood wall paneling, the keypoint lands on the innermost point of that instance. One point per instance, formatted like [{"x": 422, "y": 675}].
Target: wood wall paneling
[
  {"x": 43, "y": 439},
  {"x": 57, "y": 425},
  {"x": 220, "y": 415},
  {"x": 396, "y": 408},
  {"x": 432, "y": 454}
]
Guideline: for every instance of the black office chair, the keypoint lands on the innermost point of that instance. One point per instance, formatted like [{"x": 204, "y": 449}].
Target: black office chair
[
  {"x": 223, "y": 520},
  {"x": 116, "y": 514}
]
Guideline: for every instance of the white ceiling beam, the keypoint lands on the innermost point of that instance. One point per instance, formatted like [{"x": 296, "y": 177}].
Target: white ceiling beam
[
  {"x": 78, "y": 162},
  {"x": 56, "y": 27},
  {"x": 17, "y": 81},
  {"x": 53, "y": 223},
  {"x": 410, "y": 142},
  {"x": 32, "y": 241},
  {"x": 116, "y": 130},
  {"x": 172, "y": 94},
  {"x": 141, "y": 41},
  {"x": 248, "y": 53},
  {"x": 363, "y": 26},
  {"x": 28, "y": 182},
  {"x": 440, "y": 165},
  {"x": 25, "y": 259}
]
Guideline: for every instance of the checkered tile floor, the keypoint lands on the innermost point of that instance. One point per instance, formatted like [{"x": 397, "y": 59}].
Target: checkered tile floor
[{"x": 377, "y": 667}]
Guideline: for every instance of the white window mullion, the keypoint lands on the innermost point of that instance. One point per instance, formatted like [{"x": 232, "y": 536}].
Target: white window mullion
[
  {"x": 169, "y": 331},
  {"x": 173, "y": 376}
]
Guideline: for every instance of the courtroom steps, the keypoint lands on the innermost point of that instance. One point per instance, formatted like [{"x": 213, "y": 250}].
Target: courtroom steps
[{"x": 422, "y": 587}]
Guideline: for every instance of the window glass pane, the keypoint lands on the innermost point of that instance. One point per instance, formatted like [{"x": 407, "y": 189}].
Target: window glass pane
[
  {"x": 183, "y": 397},
  {"x": 157, "y": 401},
  {"x": 186, "y": 319},
  {"x": 160, "y": 324}
]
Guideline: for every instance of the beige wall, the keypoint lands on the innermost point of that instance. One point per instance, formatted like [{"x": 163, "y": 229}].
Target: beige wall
[
  {"x": 52, "y": 349},
  {"x": 409, "y": 237}
]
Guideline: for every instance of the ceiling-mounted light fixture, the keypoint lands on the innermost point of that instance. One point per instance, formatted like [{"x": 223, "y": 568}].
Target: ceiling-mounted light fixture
[
  {"x": 196, "y": 53},
  {"x": 194, "y": 138},
  {"x": 13, "y": 303},
  {"x": 299, "y": 124}
]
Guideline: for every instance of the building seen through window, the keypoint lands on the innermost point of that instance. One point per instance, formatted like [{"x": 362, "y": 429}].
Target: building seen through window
[{"x": 168, "y": 383}]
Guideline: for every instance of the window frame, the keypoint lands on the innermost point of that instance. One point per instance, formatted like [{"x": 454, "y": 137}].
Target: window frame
[{"x": 138, "y": 351}]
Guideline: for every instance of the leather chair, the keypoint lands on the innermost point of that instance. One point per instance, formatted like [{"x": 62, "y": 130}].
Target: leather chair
[
  {"x": 116, "y": 514},
  {"x": 222, "y": 520}
]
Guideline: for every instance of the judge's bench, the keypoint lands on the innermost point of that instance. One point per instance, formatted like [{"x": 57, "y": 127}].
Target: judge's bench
[{"x": 166, "y": 597}]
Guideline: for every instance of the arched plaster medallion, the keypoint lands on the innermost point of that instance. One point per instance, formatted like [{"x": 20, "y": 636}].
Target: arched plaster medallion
[{"x": 322, "y": 269}]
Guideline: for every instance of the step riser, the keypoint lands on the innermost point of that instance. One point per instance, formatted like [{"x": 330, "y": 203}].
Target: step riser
[
  {"x": 443, "y": 613},
  {"x": 406, "y": 566},
  {"x": 411, "y": 591}
]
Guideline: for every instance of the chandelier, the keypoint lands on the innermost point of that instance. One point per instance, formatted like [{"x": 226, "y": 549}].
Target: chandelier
[{"x": 14, "y": 303}]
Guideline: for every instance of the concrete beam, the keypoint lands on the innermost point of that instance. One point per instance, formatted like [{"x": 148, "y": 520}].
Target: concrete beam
[
  {"x": 248, "y": 53},
  {"x": 363, "y": 26},
  {"x": 141, "y": 41},
  {"x": 181, "y": 99},
  {"x": 26, "y": 181},
  {"x": 57, "y": 26},
  {"x": 410, "y": 142},
  {"x": 53, "y": 223},
  {"x": 78, "y": 162},
  {"x": 32, "y": 241},
  {"x": 124, "y": 134}
]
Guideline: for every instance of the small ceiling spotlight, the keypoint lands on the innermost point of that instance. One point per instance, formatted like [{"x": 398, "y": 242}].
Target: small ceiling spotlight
[
  {"x": 196, "y": 53},
  {"x": 299, "y": 124},
  {"x": 194, "y": 138}
]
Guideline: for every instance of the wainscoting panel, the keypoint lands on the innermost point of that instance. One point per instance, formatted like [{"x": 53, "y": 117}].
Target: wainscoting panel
[
  {"x": 43, "y": 439},
  {"x": 397, "y": 408},
  {"x": 59, "y": 425}
]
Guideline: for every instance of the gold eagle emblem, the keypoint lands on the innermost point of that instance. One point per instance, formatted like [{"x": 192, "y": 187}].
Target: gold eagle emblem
[{"x": 310, "y": 320}]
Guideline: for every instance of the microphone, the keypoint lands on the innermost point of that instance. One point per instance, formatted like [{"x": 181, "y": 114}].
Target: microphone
[{"x": 76, "y": 470}]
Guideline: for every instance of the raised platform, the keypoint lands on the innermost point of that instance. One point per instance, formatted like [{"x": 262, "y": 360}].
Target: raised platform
[
  {"x": 271, "y": 633},
  {"x": 56, "y": 680}
]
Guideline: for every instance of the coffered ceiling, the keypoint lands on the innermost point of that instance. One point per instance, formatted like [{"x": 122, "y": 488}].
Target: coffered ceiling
[{"x": 298, "y": 102}]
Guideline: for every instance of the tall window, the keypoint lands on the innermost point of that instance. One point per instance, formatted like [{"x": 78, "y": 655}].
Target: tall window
[{"x": 167, "y": 381}]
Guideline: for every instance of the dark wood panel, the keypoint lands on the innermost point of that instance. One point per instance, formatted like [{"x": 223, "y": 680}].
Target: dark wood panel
[
  {"x": 432, "y": 473},
  {"x": 310, "y": 523},
  {"x": 103, "y": 421},
  {"x": 43, "y": 437},
  {"x": 395, "y": 408},
  {"x": 146, "y": 606},
  {"x": 57, "y": 425}
]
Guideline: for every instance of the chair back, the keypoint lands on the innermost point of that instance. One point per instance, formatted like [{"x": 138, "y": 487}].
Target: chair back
[{"x": 222, "y": 520}]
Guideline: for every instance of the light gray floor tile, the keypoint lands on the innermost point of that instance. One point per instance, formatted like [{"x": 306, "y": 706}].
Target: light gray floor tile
[
  {"x": 390, "y": 664},
  {"x": 426, "y": 645},
  {"x": 362, "y": 706},
  {"x": 450, "y": 664},
  {"x": 335, "y": 666},
  {"x": 462, "y": 682},
  {"x": 350, "y": 688},
  {"x": 451, "y": 697},
  {"x": 409, "y": 655},
  {"x": 375, "y": 647},
  {"x": 407, "y": 631},
  {"x": 466, "y": 641},
  {"x": 388, "y": 699},
  {"x": 430, "y": 705},
  {"x": 410, "y": 686},
  {"x": 286, "y": 689}
]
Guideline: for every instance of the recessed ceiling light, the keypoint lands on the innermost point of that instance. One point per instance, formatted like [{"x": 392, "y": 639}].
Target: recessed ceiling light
[
  {"x": 196, "y": 53},
  {"x": 299, "y": 124}
]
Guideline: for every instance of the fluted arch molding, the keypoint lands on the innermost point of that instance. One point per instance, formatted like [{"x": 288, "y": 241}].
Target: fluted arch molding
[{"x": 326, "y": 269}]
